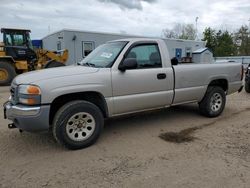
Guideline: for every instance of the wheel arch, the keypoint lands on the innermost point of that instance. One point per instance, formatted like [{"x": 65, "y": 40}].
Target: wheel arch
[
  {"x": 90, "y": 96},
  {"x": 220, "y": 82}
]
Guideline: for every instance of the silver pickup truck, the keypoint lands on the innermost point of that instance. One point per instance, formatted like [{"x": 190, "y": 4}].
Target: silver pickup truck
[{"x": 120, "y": 77}]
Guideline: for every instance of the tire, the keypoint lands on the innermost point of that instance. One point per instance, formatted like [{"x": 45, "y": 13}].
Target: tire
[
  {"x": 247, "y": 87},
  {"x": 7, "y": 73},
  {"x": 213, "y": 103},
  {"x": 77, "y": 124},
  {"x": 52, "y": 64}
]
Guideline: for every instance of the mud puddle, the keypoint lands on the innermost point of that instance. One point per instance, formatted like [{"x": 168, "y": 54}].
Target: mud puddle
[
  {"x": 183, "y": 135},
  {"x": 186, "y": 134}
]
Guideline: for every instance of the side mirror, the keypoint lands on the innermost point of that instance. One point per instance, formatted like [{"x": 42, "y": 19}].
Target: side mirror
[{"x": 128, "y": 63}]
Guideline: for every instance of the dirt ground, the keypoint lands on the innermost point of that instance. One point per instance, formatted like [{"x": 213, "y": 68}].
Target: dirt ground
[{"x": 132, "y": 152}]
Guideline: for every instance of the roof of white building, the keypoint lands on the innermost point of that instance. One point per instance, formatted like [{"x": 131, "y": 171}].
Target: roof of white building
[{"x": 201, "y": 50}]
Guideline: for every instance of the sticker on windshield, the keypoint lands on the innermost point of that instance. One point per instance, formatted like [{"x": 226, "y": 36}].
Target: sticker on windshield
[{"x": 106, "y": 55}]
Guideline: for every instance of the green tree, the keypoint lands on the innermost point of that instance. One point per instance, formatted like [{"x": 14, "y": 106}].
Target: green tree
[
  {"x": 220, "y": 42},
  {"x": 225, "y": 45},
  {"x": 209, "y": 35},
  {"x": 242, "y": 40}
]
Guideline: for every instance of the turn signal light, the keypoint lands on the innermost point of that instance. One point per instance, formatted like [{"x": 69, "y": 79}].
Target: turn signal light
[{"x": 34, "y": 90}]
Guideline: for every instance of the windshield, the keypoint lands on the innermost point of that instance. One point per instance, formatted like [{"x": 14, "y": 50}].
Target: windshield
[
  {"x": 17, "y": 39},
  {"x": 104, "y": 55}
]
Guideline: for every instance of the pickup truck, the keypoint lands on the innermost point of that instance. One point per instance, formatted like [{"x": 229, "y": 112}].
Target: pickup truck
[{"x": 117, "y": 78}]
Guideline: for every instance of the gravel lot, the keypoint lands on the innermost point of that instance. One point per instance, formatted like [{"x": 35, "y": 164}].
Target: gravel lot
[{"x": 130, "y": 152}]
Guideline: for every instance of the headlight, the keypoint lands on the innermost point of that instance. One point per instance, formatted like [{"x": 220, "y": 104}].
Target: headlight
[{"x": 29, "y": 94}]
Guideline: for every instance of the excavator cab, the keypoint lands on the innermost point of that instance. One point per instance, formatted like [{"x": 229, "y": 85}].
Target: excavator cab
[
  {"x": 17, "y": 44},
  {"x": 18, "y": 56}
]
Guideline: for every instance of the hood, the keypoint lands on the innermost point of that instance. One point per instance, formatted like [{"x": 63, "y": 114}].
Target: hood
[{"x": 45, "y": 74}]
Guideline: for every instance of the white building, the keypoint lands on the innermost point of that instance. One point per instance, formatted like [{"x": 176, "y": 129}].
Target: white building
[
  {"x": 202, "y": 55},
  {"x": 81, "y": 43}
]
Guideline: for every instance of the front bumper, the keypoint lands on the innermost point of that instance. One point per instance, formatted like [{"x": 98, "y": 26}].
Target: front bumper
[{"x": 28, "y": 118}]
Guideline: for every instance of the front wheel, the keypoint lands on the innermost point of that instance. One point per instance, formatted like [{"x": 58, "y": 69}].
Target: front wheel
[
  {"x": 7, "y": 73},
  {"x": 78, "y": 124},
  {"x": 213, "y": 103}
]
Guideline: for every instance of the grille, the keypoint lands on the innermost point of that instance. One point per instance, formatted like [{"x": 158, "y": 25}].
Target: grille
[{"x": 13, "y": 93}]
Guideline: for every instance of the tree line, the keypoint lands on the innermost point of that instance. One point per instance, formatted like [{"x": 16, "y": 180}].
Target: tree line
[{"x": 220, "y": 42}]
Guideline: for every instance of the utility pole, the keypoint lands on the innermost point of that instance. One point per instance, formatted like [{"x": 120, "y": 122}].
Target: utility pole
[
  {"x": 48, "y": 29},
  {"x": 196, "y": 28}
]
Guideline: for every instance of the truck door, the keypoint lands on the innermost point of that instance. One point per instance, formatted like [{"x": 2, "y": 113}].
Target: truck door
[{"x": 148, "y": 86}]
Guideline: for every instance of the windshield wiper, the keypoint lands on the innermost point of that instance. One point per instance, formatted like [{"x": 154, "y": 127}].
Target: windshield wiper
[{"x": 89, "y": 64}]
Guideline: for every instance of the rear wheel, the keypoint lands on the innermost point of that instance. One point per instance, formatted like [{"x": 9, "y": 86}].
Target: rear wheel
[
  {"x": 247, "y": 86},
  {"x": 78, "y": 124},
  {"x": 7, "y": 73},
  {"x": 213, "y": 103}
]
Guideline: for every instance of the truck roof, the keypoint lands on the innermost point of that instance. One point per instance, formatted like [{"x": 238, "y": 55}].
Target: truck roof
[
  {"x": 14, "y": 29},
  {"x": 137, "y": 39}
]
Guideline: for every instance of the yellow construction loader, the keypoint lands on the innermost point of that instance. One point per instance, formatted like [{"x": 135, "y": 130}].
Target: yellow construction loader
[{"x": 18, "y": 56}]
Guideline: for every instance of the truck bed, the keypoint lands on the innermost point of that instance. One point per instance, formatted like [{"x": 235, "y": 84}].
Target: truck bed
[{"x": 191, "y": 80}]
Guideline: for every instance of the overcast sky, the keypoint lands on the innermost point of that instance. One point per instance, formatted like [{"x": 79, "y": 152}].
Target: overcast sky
[{"x": 139, "y": 17}]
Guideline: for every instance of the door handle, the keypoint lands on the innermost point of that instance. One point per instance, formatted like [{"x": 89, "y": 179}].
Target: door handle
[{"x": 161, "y": 76}]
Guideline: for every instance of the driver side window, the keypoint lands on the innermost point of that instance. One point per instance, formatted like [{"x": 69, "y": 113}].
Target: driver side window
[{"x": 146, "y": 55}]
